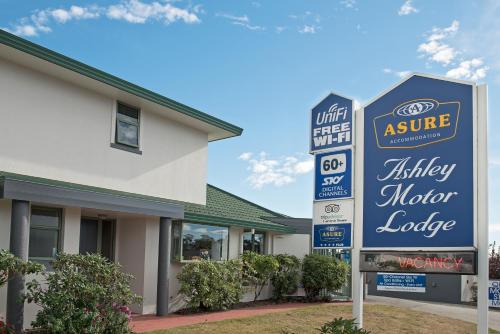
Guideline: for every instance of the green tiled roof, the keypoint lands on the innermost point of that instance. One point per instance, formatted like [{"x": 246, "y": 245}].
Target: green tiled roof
[{"x": 227, "y": 209}]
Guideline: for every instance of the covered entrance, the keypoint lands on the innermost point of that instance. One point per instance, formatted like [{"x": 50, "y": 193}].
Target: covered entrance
[{"x": 97, "y": 235}]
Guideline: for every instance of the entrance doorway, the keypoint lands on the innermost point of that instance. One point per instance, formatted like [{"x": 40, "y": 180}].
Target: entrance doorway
[{"x": 98, "y": 236}]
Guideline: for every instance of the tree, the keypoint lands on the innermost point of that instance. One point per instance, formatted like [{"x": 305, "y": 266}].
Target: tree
[{"x": 494, "y": 262}]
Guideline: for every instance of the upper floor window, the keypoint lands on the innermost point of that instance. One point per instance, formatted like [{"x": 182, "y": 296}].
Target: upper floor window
[
  {"x": 127, "y": 126},
  {"x": 254, "y": 241},
  {"x": 45, "y": 234}
]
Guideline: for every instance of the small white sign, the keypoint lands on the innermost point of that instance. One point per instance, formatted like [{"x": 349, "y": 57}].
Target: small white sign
[{"x": 333, "y": 212}]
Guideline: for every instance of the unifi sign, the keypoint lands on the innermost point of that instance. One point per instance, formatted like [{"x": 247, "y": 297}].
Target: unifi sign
[
  {"x": 416, "y": 123},
  {"x": 331, "y": 123}
]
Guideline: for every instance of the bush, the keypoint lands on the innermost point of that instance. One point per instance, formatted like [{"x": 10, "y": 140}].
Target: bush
[
  {"x": 285, "y": 279},
  {"x": 11, "y": 265},
  {"x": 211, "y": 285},
  {"x": 341, "y": 326},
  {"x": 323, "y": 272},
  {"x": 258, "y": 269},
  {"x": 84, "y": 294}
]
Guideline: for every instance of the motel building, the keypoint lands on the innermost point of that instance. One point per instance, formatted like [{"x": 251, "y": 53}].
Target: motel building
[{"x": 93, "y": 163}]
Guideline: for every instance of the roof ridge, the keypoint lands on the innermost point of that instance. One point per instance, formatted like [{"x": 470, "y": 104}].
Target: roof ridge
[{"x": 247, "y": 201}]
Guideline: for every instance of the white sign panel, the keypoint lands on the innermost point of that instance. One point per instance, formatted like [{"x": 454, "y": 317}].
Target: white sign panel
[{"x": 333, "y": 212}]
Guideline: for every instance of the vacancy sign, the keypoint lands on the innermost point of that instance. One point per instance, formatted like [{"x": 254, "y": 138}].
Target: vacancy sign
[
  {"x": 332, "y": 123},
  {"x": 333, "y": 175}
]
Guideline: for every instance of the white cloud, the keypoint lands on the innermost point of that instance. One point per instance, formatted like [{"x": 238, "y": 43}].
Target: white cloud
[
  {"x": 245, "y": 156},
  {"x": 242, "y": 20},
  {"x": 348, "y": 3},
  {"x": 75, "y": 13},
  {"x": 135, "y": 11},
  {"x": 307, "y": 29},
  {"x": 435, "y": 47},
  {"x": 399, "y": 74},
  {"x": 132, "y": 11},
  {"x": 280, "y": 29},
  {"x": 473, "y": 69},
  {"x": 277, "y": 172},
  {"x": 407, "y": 8}
]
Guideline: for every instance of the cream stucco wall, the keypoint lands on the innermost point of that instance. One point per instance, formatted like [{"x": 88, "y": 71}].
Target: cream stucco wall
[
  {"x": 60, "y": 131},
  {"x": 292, "y": 244}
]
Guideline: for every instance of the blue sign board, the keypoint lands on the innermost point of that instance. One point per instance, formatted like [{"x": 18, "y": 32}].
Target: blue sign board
[
  {"x": 331, "y": 123},
  {"x": 332, "y": 236},
  {"x": 418, "y": 166},
  {"x": 401, "y": 282},
  {"x": 494, "y": 293},
  {"x": 333, "y": 175}
]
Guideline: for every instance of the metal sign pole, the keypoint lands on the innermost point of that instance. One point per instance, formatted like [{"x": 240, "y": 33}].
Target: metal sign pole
[
  {"x": 482, "y": 210},
  {"x": 357, "y": 276}
]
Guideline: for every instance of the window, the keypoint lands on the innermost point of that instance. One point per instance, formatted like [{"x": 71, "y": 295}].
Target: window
[
  {"x": 127, "y": 126},
  {"x": 197, "y": 242},
  {"x": 254, "y": 242},
  {"x": 45, "y": 230}
]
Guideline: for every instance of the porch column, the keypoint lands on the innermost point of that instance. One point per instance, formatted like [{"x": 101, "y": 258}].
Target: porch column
[
  {"x": 19, "y": 240},
  {"x": 163, "y": 266}
]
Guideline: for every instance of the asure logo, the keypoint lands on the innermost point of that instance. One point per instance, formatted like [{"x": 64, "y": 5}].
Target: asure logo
[
  {"x": 331, "y": 234},
  {"x": 417, "y": 123}
]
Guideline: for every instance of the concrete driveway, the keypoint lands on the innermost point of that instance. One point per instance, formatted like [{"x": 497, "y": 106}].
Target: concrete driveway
[{"x": 455, "y": 311}]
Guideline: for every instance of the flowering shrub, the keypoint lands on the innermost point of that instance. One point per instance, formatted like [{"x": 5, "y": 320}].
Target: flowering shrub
[
  {"x": 5, "y": 328},
  {"x": 84, "y": 294}
]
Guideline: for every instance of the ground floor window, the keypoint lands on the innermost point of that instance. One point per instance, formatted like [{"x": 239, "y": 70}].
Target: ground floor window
[
  {"x": 192, "y": 241},
  {"x": 254, "y": 241},
  {"x": 45, "y": 233}
]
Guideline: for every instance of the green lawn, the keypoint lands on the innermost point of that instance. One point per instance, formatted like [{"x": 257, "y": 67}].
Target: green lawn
[{"x": 379, "y": 319}]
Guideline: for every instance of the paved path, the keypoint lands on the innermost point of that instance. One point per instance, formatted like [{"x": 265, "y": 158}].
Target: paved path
[
  {"x": 146, "y": 323},
  {"x": 455, "y": 311}
]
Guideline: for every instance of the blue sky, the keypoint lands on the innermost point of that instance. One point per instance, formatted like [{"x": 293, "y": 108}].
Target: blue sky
[{"x": 263, "y": 64}]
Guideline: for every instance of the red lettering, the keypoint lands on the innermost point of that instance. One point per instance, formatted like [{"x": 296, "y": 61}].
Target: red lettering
[{"x": 418, "y": 258}]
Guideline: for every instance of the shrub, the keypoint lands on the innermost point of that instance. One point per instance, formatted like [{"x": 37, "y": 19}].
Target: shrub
[
  {"x": 211, "y": 285},
  {"x": 84, "y": 294},
  {"x": 323, "y": 272},
  {"x": 11, "y": 265},
  {"x": 258, "y": 269},
  {"x": 285, "y": 279},
  {"x": 341, "y": 326}
]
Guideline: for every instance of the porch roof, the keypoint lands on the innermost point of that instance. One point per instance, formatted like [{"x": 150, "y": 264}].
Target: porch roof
[{"x": 224, "y": 208}]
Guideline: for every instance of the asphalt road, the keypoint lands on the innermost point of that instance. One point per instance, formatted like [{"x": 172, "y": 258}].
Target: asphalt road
[{"x": 455, "y": 311}]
